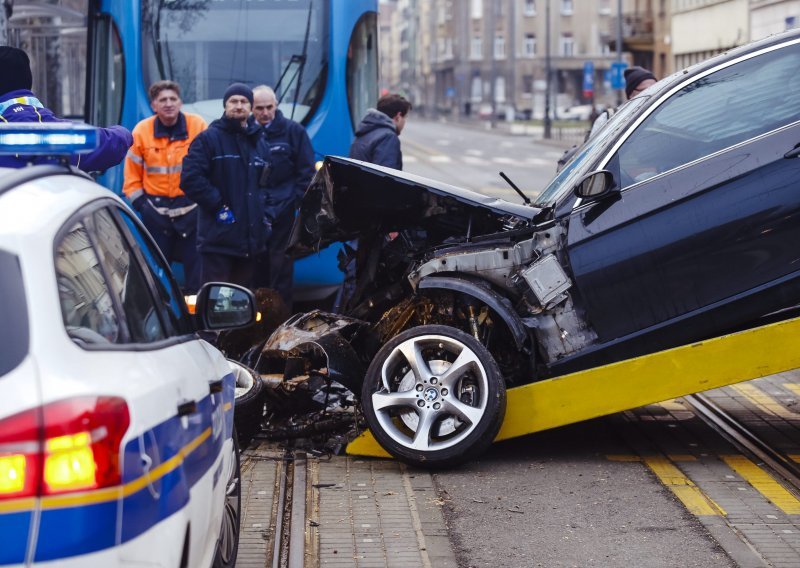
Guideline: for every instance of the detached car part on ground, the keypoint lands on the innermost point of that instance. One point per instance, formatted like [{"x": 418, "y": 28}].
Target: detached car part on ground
[{"x": 677, "y": 222}]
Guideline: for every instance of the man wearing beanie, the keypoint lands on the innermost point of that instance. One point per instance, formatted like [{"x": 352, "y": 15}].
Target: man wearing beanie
[
  {"x": 225, "y": 172},
  {"x": 19, "y": 104},
  {"x": 637, "y": 79}
]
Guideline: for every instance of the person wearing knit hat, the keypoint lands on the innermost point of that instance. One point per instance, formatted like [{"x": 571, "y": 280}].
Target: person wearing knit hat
[
  {"x": 19, "y": 104},
  {"x": 637, "y": 79},
  {"x": 224, "y": 172}
]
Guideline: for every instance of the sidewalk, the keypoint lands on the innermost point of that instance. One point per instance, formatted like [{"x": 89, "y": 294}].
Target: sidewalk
[
  {"x": 359, "y": 512},
  {"x": 562, "y": 137}
]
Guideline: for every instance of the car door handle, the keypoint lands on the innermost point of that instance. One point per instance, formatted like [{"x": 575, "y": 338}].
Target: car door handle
[
  {"x": 187, "y": 408},
  {"x": 793, "y": 153},
  {"x": 215, "y": 386}
]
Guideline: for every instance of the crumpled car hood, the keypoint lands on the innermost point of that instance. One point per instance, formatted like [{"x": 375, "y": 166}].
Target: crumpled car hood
[{"x": 348, "y": 198}]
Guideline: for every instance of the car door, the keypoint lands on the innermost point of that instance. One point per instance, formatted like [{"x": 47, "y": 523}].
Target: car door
[
  {"x": 115, "y": 332},
  {"x": 702, "y": 235},
  {"x": 209, "y": 385},
  {"x": 168, "y": 458}
]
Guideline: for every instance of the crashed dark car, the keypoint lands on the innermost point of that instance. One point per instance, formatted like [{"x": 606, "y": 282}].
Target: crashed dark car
[{"x": 678, "y": 221}]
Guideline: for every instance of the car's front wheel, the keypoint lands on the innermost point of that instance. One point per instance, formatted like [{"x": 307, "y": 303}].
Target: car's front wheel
[
  {"x": 434, "y": 396},
  {"x": 228, "y": 540}
]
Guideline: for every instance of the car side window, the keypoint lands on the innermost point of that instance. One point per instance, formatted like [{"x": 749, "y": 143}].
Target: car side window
[
  {"x": 167, "y": 291},
  {"x": 720, "y": 110},
  {"x": 87, "y": 307},
  {"x": 127, "y": 281}
]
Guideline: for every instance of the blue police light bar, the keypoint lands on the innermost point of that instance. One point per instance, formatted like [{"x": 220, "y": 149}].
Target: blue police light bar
[{"x": 50, "y": 139}]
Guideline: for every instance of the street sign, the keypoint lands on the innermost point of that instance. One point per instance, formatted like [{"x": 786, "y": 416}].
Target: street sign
[
  {"x": 618, "y": 74},
  {"x": 588, "y": 80}
]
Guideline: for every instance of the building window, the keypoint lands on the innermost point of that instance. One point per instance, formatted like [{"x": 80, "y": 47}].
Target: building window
[
  {"x": 448, "y": 48},
  {"x": 499, "y": 47},
  {"x": 566, "y": 7},
  {"x": 530, "y": 8},
  {"x": 529, "y": 46},
  {"x": 567, "y": 45},
  {"x": 476, "y": 48},
  {"x": 500, "y": 90},
  {"x": 476, "y": 89},
  {"x": 476, "y": 10},
  {"x": 527, "y": 84},
  {"x": 604, "y": 7}
]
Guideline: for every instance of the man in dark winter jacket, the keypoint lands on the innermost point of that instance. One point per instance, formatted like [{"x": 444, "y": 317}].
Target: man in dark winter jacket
[
  {"x": 19, "y": 104},
  {"x": 378, "y": 135},
  {"x": 222, "y": 173},
  {"x": 291, "y": 169}
]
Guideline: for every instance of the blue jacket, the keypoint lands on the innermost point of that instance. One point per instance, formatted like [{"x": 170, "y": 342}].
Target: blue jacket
[
  {"x": 291, "y": 164},
  {"x": 377, "y": 141},
  {"x": 223, "y": 167},
  {"x": 23, "y": 106}
]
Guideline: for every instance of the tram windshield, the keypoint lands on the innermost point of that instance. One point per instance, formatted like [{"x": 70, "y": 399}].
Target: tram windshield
[{"x": 206, "y": 45}]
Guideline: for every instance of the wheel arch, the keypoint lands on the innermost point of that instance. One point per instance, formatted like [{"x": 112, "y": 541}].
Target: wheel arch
[{"x": 483, "y": 292}]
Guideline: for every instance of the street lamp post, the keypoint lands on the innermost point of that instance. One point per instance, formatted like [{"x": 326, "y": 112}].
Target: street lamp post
[{"x": 547, "y": 72}]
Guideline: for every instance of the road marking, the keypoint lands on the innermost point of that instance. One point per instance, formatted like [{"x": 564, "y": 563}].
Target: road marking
[
  {"x": 441, "y": 159},
  {"x": 474, "y": 152},
  {"x": 765, "y": 401},
  {"x": 794, "y": 387},
  {"x": 410, "y": 159},
  {"x": 474, "y": 161},
  {"x": 443, "y": 142},
  {"x": 695, "y": 501},
  {"x": 539, "y": 162},
  {"x": 764, "y": 484}
]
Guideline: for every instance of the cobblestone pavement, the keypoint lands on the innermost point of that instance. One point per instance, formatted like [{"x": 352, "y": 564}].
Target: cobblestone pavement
[{"x": 359, "y": 512}]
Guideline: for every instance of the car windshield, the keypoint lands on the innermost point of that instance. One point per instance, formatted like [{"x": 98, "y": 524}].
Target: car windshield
[
  {"x": 588, "y": 153},
  {"x": 205, "y": 46}
]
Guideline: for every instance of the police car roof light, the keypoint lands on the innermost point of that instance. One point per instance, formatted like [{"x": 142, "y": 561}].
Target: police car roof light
[{"x": 52, "y": 139}]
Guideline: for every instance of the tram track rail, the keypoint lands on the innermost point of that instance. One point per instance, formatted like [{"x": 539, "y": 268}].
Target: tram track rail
[
  {"x": 287, "y": 547},
  {"x": 746, "y": 441}
]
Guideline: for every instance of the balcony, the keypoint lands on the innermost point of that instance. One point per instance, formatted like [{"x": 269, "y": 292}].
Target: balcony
[{"x": 637, "y": 28}]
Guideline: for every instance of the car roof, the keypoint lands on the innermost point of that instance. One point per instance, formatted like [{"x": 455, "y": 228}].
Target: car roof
[{"x": 38, "y": 200}]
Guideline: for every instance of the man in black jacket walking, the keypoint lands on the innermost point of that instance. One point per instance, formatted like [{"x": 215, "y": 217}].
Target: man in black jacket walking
[
  {"x": 223, "y": 173},
  {"x": 378, "y": 135}
]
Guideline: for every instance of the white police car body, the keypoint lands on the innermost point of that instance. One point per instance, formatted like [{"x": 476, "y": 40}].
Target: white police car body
[{"x": 116, "y": 420}]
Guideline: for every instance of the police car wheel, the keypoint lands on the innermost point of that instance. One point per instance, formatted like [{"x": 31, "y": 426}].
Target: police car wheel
[
  {"x": 228, "y": 541},
  {"x": 248, "y": 409},
  {"x": 434, "y": 397}
]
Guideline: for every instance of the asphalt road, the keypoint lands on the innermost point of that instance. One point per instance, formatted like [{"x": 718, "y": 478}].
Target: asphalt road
[{"x": 471, "y": 157}]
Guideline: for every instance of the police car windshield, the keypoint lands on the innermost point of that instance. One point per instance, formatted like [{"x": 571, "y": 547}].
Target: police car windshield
[
  {"x": 589, "y": 154},
  {"x": 205, "y": 46}
]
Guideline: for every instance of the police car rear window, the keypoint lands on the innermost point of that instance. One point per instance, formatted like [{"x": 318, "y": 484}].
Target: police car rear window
[{"x": 13, "y": 314}]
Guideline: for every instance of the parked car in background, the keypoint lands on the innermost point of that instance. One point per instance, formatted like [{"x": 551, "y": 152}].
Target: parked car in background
[{"x": 117, "y": 439}]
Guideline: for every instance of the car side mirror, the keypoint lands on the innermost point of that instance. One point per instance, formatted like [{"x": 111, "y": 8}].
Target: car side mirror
[
  {"x": 224, "y": 306},
  {"x": 595, "y": 185}
]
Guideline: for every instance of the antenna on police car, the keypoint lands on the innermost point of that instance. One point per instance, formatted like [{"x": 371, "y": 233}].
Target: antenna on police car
[{"x": 515, "y": 188}]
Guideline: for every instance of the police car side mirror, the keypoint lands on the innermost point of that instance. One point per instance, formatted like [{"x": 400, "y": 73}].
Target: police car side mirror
[
  {"x": 595, "y": 185},
  {"x": 224, "y": 306}
]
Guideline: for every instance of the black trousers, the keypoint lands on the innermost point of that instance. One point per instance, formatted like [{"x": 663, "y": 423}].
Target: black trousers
[
  {"x": 274, "y": 268},
  {"x": 175, "y": 236},
  {"x": 227, "y": 268}
]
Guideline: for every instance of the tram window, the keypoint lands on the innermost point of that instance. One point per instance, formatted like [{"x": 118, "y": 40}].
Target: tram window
[
  {"x": 362, "y": 68},
  {"x": 108, "y": 72}
]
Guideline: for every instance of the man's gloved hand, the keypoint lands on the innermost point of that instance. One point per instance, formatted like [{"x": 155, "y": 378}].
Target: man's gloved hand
[{"x": 225, "y": 216}]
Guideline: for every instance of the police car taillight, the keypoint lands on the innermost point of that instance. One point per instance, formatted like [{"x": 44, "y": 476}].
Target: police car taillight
[{"x": 66, "y": 446}]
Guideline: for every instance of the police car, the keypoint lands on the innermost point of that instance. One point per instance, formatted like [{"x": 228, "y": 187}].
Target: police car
[{"x": 117, "y": 443}]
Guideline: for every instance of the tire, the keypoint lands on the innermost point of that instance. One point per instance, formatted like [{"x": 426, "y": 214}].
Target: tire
[
  {"x": 227, "y": 548},
  {"x": 249, "y": 407},
  {"x": 457, "y": 413}
]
